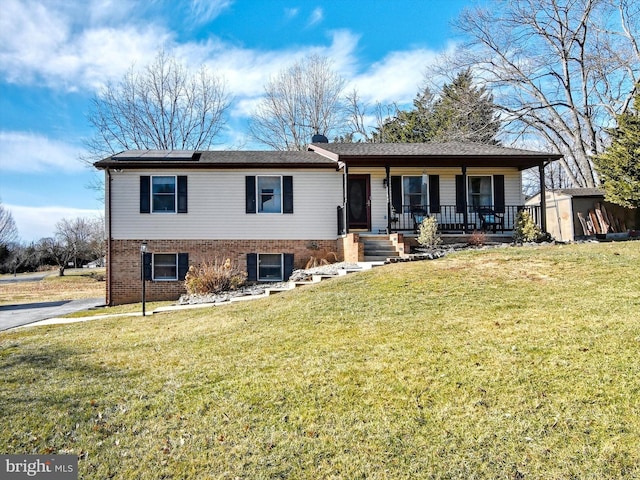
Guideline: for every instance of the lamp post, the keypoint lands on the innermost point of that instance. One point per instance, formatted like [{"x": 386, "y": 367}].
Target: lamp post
[{"x": 143, "y": 250}]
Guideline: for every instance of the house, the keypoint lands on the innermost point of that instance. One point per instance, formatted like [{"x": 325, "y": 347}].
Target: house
[
  {"x": 577, "y": 213},
  {"x": 270, "y": 212}
]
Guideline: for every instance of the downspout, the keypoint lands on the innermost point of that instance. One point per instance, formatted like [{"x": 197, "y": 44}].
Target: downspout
[
  {"x": 465, "y": 211},
  {"x": 387, "y": 170},
  {"x": 345, "y": 174},
  {"x": 109, "y": 269}
]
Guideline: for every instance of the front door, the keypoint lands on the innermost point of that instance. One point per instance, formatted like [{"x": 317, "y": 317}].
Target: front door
[{"x": 359, "y": 202}]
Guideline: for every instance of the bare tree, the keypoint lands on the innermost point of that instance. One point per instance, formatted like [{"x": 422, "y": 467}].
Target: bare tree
[
  {"x": 163, "y": 106},
  {"x": 302, "y": 100},
  {"x": 52, "y": 248},
  {"x": 76, "y": 241},
  {"x": 8, "y": 229},
  {"x": 560, "y": 70}
]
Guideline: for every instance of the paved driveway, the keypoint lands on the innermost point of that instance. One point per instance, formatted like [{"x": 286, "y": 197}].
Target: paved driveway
[
  {"x": 16, "y": 315},
  {"x": 24, "y": 277}
]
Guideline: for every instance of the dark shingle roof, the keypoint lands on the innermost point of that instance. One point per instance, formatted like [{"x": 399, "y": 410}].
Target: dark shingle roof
[
  {"x": 432, "y": 154},
  {"x": 213, "y": 159},
  {"x": 455, "y": 149},
  {"x": 325, "y": 155},
  {"x": 581, "y": 192}
]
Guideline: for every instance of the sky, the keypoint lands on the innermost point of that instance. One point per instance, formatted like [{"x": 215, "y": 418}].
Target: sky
[{"x": 56, "y": 55}]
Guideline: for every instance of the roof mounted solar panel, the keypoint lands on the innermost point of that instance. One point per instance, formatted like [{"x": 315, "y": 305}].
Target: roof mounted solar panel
[{"x": 157, "y": 155}]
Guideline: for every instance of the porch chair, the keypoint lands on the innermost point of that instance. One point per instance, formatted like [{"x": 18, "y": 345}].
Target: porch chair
[
  {"x": 418, "y": 217},
  {"x": 489, "y": 219}
]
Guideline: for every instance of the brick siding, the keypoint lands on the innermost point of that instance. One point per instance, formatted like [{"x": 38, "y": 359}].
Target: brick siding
[{"x": 124, "y": 283}]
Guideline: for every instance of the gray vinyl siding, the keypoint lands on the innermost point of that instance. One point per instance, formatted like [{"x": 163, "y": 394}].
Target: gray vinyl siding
[{"x": 217, "y": 207}]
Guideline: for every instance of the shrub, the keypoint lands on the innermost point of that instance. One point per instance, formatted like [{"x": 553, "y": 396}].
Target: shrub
[
  {"x": 213, "y": 277},
  {"x": 477, "y": 238},
  {"x": 526, "y": 229},
  {"x": 428, "y": 233}
]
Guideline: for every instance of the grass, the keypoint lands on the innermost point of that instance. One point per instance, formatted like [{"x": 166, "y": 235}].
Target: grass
[
  {"x": 513, "y": 363},
  {"x": 75, "y": 284}
]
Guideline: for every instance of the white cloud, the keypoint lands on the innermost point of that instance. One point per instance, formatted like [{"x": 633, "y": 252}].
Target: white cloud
[
  {"x": 316, "y": 16},
  {"x": 57, "y": 44},
  {"x": 30, "y": 152},
  {"x": 290, "y": 13},
  {"x": 396, "y": 78},
  {"x": 34, "y": 223},
  {"x": 204, "y": 11}
]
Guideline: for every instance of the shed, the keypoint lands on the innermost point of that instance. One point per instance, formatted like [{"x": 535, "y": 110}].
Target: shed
[{"x": 576, "y": 213}]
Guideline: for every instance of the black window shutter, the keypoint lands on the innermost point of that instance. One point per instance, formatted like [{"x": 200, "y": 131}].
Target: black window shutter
[
  {"x": 250, "y": 182},
  {"x": 460, "y": 190},
  {"x": 434, "y": 193},
  {"x": 288, "y": 266},
  {"x": 183, "y": 265},
  {"x": 287, "y": 197},
  {"x": 252, "y": 267},
  {"x": 396, "y": 193},
  {"x": 147, "y": 266},
  {"x": 498, "y": 193},
  {"x": 145, "y": 194},
  {"x": 182, "y": 194}
]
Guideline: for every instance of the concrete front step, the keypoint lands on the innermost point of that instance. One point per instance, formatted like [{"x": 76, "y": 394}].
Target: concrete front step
[
  {"x": 379, "y": 249},
  {"x": 378, "y": 258}
]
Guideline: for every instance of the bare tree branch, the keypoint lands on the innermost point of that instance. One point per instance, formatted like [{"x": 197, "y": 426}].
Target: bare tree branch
[
  {"x": 302, "y": 100},
  {"x": 559, "y": 69},
  {"x": 163, "y": 106}
]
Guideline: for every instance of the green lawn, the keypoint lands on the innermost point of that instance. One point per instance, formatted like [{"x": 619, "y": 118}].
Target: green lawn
[{"x": 513, "y": 363}]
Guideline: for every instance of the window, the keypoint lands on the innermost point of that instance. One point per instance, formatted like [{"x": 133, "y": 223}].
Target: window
[
  {"x": 163, "y": 194},
  {"x": 165, "y": 266},
  {"x": 270, "y": 267},
  {"x": 480, "y": 192},
  {"x": 415, "y": 192},
  {"x": 269, "y": 194}
]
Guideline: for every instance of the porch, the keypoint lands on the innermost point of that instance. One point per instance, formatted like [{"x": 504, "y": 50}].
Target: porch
[{"x": 452, "y": 221}]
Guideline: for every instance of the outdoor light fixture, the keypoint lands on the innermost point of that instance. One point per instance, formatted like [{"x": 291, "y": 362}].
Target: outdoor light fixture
[
  {"x": 385, "y": 182},
  {"x": 143, "y": 250}
]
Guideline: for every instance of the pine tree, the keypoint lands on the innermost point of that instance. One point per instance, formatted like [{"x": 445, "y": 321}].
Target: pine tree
[
  {"x": 619, "y": 165},
  {"x": 410, "y": 126},
  {"x": 463, "y": 112}
]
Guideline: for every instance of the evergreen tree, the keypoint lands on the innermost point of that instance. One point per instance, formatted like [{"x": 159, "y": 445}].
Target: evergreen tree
[
  {"x": 619, "y": 165},
  {"x": 463, "y": 113},
  {"x": 410, "y": 126}
]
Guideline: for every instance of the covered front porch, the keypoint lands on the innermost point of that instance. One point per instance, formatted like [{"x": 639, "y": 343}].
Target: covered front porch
[{"x": 391, "y": 188}]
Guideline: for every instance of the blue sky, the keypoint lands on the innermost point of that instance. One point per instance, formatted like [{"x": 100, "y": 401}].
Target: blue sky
[{"x": 56, "y": 54}]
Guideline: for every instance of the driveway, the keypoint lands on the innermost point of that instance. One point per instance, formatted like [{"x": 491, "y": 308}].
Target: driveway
[
  {"x": 17, "y": 315},
  {"x": 24, "y": 277}
]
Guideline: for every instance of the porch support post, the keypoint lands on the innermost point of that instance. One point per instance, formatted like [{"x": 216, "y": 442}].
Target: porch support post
[
  {"x": 387, "y": 171},
  {"x": 465, "y": 211},
  {"x": 543, "y": 199}
]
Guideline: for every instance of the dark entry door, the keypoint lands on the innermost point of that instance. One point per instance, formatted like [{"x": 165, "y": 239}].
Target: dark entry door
[{"x": 359, "y": 202}]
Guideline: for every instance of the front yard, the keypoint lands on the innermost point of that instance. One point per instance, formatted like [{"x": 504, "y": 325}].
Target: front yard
[{"x": 512, "y": 363}]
